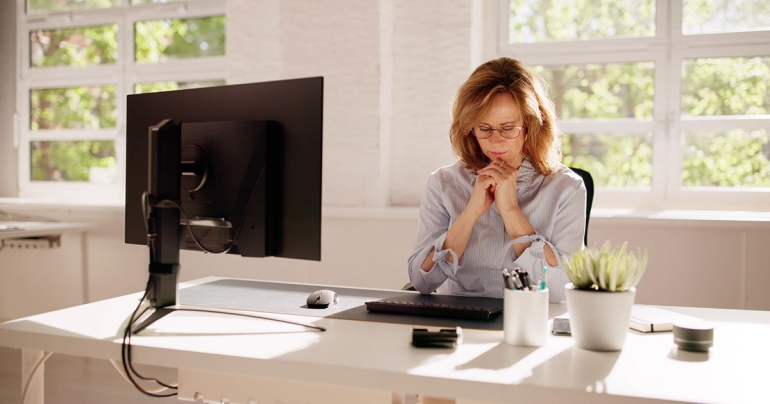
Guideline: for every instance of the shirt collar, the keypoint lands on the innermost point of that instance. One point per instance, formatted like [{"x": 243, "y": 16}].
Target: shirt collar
[{"x": 527, "y": 174}]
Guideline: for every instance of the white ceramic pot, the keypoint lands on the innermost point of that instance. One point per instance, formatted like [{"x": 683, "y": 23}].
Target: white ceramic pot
[{"x": 599, "y": 320}]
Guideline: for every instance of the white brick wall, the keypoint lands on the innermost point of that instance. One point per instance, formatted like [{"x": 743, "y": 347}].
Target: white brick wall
[
  {"x": 427, "y": 53},
  {"x": 431, "y": 60}
]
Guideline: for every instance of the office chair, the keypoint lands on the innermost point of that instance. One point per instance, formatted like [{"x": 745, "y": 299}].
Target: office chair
[{"x": 589, "y": 183}]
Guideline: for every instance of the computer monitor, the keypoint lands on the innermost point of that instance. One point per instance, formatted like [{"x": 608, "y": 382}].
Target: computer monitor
[{"x": 243, "y": 162}]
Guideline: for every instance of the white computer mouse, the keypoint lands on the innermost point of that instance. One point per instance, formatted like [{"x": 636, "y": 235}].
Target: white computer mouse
[{"x": 321, "y": 299}]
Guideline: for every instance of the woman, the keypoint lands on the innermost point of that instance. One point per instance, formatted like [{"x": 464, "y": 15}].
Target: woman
[{"x": 508, "y": 185}]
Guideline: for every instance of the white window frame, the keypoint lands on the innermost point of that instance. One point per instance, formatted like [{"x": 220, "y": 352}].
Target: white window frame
[
  {"x": 667, "y": 49},
  {"x": 123, "y": 75}
]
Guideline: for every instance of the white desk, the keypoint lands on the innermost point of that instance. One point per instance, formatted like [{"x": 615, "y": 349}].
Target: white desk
[
  {"x": 354, "y": 361},
  {"x": 37, "y": 229},
  {"x": 40, "y": 229}
]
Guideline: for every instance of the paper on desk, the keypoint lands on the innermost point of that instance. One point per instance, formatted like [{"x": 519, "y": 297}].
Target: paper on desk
[{"x": 653, "y": 319}]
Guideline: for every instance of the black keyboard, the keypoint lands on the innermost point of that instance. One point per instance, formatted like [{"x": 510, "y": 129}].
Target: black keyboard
[{"x": 433, "y": 309}]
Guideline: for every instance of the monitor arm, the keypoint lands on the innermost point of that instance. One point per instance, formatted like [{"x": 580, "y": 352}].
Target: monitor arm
[{"x": 164, "y": 168}]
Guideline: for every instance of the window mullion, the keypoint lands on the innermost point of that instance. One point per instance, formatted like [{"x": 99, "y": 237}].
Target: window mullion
[
  {"x": 71, "y": 134},
  {"x": 122, "y": 74},
  {"x": 675, "y": 143}
]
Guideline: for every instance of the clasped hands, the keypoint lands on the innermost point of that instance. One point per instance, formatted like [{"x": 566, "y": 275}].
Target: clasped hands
[{"x": 495, "y": 183}]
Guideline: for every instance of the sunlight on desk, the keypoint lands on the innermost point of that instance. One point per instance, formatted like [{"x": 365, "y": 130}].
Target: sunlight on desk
[
  {"x": 250, "y": 337},
  {"x": 241, "y": 358}
]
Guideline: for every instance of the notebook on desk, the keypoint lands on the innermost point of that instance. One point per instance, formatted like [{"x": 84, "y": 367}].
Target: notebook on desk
[
  {"x": 461, "y": 307},
  {"x": 653, "y": 319}
]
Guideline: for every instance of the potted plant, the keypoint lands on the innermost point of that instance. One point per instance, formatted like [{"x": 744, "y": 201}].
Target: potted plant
[{"x": 601, "y": 294}]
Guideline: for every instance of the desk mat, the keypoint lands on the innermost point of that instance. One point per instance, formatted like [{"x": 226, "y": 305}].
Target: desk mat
[{"x": 285, "y": 298}]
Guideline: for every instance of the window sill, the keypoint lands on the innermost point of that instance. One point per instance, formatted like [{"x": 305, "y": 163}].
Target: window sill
[
  {"x": 681, "y": 217},
  {"x": 43, "y": 204},
  {"x": 598, "y": 216}
]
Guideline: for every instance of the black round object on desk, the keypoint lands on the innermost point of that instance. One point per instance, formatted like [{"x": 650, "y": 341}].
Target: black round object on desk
[{"x": 694, "y": 336}]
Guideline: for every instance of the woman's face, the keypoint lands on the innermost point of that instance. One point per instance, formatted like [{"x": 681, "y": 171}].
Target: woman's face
[{"x": 503, "y": 114}]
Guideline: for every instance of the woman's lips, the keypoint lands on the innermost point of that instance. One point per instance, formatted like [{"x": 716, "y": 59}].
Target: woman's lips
[{"x": 497, "y": 154}]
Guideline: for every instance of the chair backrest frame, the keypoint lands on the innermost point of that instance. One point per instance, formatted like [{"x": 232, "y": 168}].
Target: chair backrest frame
[{"x": 588, "y": 180}]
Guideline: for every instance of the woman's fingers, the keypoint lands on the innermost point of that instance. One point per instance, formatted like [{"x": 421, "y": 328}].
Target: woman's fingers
[
  {"x": 484, "y": 181},
  {"x": 497, "y": 171}
]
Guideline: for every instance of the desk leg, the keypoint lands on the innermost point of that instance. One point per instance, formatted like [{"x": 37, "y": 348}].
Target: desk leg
[{"x": 30, "y": 358}]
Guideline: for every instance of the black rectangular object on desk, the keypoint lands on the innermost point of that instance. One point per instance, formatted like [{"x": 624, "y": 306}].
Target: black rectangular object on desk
[{"x": 463, "y": 307}]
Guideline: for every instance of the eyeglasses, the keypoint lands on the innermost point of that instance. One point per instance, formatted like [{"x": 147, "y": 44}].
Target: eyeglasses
[{"x": 508, "y": 132}]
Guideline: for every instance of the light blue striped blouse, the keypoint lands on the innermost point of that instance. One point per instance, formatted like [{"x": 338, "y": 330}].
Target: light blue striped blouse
[{"x": 555, "y": 205}]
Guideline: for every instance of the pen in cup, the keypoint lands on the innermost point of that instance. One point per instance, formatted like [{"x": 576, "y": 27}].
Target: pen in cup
[
  {"x": 524, "y": 278},
  {"x": 507, "y": 283},
  {"x": 517, "y": 282},
  {"x": 544, "y": 279}
]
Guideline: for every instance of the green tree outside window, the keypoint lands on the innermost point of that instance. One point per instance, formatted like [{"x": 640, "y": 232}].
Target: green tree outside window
[
  {"x": 34, "y": 6},
  {"x": 533, "y": 21},
  {"x": 144, "y": 88},
  {"x": 73, "y": 160},
  {"x": 81, "y": 46},
  {"x": 92, "y": 107},
  {"x": 161, "y": 40}
]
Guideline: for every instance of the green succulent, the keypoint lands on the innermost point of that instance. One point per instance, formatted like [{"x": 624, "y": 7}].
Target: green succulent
[{"x": 606, "y": 269}]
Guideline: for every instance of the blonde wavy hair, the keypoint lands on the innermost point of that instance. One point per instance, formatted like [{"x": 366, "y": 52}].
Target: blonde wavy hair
[{"x": 542, "y": 139}]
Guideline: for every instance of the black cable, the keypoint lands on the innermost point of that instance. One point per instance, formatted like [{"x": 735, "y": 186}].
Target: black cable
[
  {"x": 126, "y": 345},
  {"x": 249, "y": 315},
  {"x": 130, "y": 360},
  {"x": 126, "y": 348},
  {"x": 151, "y": 237}
]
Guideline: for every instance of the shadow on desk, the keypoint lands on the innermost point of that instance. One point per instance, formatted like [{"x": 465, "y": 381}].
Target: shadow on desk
[
  {"x": 576, "y": 368},
  {"x": 287, "y": 298},
  {"x": 501, "y": 356},
  {"x": 38, "y": 328}
]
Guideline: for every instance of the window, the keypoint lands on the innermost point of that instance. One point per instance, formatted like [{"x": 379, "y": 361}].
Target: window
[
  {"x": 79, "y": 60},
  {"x": 666, "y": 103}
]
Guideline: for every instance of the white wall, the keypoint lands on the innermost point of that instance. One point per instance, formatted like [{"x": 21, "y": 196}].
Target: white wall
[
  {"x": 702, "y": 264},
  {"x": 394, "y": 60},
  {"x": 696, "y": 263}
]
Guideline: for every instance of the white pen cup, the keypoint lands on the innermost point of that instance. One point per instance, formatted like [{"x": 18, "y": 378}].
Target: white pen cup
[{"x": 525, "y": 317}]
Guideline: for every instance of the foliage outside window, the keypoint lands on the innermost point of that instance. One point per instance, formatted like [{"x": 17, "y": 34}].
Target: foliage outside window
[
  {"x": 38, "y": 6},
  {"x": 614, "y": 160},
  {"x": 82, "y": 46},
  {"x": 613, "y": 111},
  {"x": 717, "y": 87},
  {"x": 715, "y": 16},
  {"x": 91, "y": 161},
  {"x": 75, "y": 78},
  {"x": 534, "y": 21},
  {"x": 161, "y": 40},
  {"x": 143, "y": 88},
  {"x": 734, "y": 158},
  {"x": 154, "y": 1},
  {"x": 92, "y": 107},
  {"x": 726, "y": 86},
  {"x": 605, "y": 92}
]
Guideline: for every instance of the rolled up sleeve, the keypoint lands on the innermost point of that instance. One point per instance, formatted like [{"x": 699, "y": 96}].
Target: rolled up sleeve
[
  {"x": 569, "y": 228},
  {"x": 434, "y": 221}
]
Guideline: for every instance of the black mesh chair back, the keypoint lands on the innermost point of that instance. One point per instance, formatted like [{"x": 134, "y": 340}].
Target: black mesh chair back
[{"x": 589, "y": 183}]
